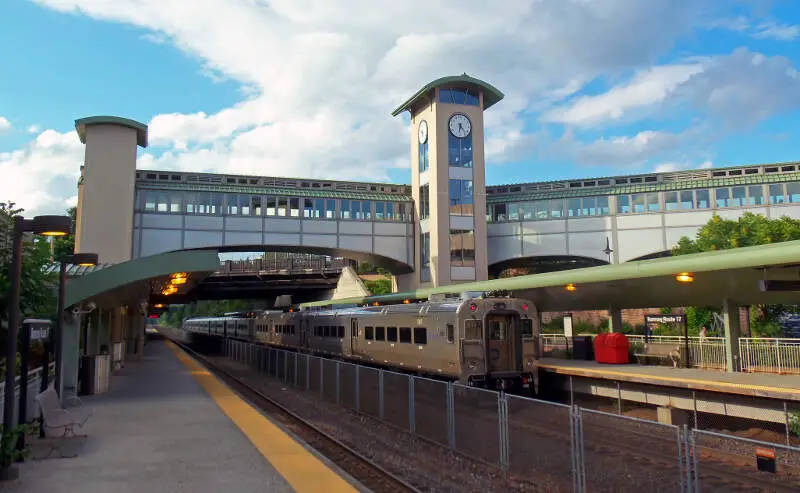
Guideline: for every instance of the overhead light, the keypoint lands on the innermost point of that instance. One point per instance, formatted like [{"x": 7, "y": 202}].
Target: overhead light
[
  {"x": 51, "y": 225},
  {"x": 178, "y": 280},
  {"x": 179, "y": 275},
  {"x": 158, "y": 305},
  {"x": 570, "y": 287},
  {"x": 685, "y": 277}
]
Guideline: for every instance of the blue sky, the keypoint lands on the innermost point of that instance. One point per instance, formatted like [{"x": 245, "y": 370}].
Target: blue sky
[{"x": 305, "y": 87}]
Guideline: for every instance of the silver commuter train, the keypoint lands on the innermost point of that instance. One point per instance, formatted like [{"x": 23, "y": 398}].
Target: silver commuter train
[{"x": 476, "y": 339}]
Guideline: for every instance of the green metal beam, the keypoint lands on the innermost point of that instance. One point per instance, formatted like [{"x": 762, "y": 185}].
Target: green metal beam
[
  {"x": 275, "y": 191},
  {"x": 616, "y": 278},
  {"x": 122, "y": 275}
]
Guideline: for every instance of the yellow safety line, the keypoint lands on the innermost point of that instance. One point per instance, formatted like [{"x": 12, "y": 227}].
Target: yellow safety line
[
  {"x": 566, "y": 369},
  {"x": 301, "y": 469}
]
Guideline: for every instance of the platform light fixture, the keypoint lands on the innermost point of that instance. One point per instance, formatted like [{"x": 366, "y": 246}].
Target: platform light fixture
[
  {"x": 570, "y": 287},
  {"x": 39, "y": 225},
  {"x": 685, "y": 277},
  {"x": 177, "y": 281}
]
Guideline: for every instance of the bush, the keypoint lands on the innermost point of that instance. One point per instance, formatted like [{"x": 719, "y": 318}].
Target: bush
[{"x": 794, "y": 423}]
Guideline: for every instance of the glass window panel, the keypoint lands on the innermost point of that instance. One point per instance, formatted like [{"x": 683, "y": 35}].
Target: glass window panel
[
  {"x": 528, "y": 212},
  {"x": 467, "y": 199},
  {"x": 557, "y": 208},
  {"x": 623, "y": 204},
  {"x": 602, "y": 206},
  {"x": 513, "y": 211},
  {"x": 793, "y": 192},
  {"x": 589, "y": 206},
  {"x": 150, "y": 200},
  {"x": 308, "y": 208},
  {"x": 330, "y": 208},
  {"x": 233, "y": 204},
  {"x": 755, "y": 195},
  {"x": 459, "y": 151},
  {"x": 671, "y": 201},
  {"x": 723, "y": 196},
  {"x": 366, "y": 209},
  {"x": 319, "y": 208},
  {"x": 175, "y": 202},
  {"x": 271, "y": 206},
  {"x": 256, "y": 205},
  {"x": 345, "y": 209},
  {"x": 283, "y": 205},
  {"x": 653, "y": 202},
  {"x": 380, "y": 207},
  {"x": 738, "y": 196},
  {"x": 294, "y": 206},
  {"x": 189, "y": 200},
  {"x": 638, "y": 203},
  {"x": 355, "y": 209},
  {"x": 499, "y": 212},
  {"x": 573, "y": 207},
  {"x": 702, "y": 199},
  {"x": 390, "y": 211},
  {"x": 777, "y": 194},
  {"x": 163, "y": 203},
  {"x": 686, "y": 199},
  {"x": 541, "y": 209}
]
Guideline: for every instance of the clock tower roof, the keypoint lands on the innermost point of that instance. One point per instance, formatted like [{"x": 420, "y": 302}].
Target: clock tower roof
[{"x": 491, "y": 95}]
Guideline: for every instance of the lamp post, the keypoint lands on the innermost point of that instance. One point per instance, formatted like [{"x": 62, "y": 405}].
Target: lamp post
[
  {"x": 39, "y": 225},
  {"x": 82, "y": 259}
]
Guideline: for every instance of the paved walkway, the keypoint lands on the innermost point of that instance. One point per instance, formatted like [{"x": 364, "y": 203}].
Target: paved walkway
[
  {"x": 167, "y": 425},
  {"x": 753, "y": 384}
]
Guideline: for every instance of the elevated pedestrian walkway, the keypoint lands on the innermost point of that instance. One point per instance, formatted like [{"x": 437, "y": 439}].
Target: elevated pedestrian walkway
[{"x": 167, "y": 424}]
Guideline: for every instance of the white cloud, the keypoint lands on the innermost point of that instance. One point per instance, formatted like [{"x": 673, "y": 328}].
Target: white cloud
[
  {"x": 32, "y": 129},
  {"x": 646, "y": 89},
  {"x": 779, "y": 32},
  {"x": 42, "y": 177},
  {"x": 319, "y": 79},
  {"x": 4, "y": 124}
]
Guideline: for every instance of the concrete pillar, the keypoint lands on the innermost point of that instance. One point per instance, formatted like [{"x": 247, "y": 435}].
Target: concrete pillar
[
  {"x": 730, "y": 316},
  {"x": 672, "y": 416},
  {"x": 70, "y": 355},
  {"x": 614, "y": 320}
]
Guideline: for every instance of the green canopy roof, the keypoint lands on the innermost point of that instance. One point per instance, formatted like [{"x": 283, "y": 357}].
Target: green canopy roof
[{"x": 491, "y": 95}]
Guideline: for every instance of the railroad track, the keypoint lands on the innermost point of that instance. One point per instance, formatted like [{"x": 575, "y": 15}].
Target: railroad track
[{"x": 368, "y": 473}]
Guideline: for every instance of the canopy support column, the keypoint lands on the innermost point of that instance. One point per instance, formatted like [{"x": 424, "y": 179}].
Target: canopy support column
[
  {"x": 614, "y": 320},
  {"x": 730, "y": 317}
]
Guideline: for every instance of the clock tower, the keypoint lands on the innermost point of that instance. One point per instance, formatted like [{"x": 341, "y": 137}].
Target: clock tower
[{"x": 448, "y": 181}]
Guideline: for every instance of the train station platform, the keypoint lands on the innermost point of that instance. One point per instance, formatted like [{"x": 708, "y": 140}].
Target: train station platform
[
  {"x": 769, "y": 385},
  {"x": 167, "y": 424}
]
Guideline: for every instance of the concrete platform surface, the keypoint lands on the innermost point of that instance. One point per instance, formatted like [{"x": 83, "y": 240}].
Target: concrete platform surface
[
  {"x": 158, "y": 429},
  {"x": 752, "y": 384}
]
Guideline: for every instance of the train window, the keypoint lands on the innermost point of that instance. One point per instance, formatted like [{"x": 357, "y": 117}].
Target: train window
[
  {"x": 526, "y": 328},
  {"x": 472, "y": 330},
  {"x": 450, "y": 333},
  {"x": 420, "y": 335},
  {"x": 368, "y": 333},
  {"x": 380, "y": 333},
  {"x": 497, "y": 330},
  {"x": 293, "y": 327},
  {"x": 316, "y": 331},
  {"x": 326, "y": 331},
  {"x": 405, "y": 334},
  {"x": 391, "y": 334},
  {"x": 341, "y": 332}
]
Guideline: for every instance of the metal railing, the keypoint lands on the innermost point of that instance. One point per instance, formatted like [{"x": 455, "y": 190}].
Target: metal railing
[
  {"x": 285, "y": 263},
  {"x": 558, "y": 447},
  {"x": 773, "y": 355},
  {"x": 769, "y": 355}
]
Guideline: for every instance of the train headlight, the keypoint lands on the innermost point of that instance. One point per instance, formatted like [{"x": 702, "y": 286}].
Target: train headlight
[{"x": 530, "y": 362}]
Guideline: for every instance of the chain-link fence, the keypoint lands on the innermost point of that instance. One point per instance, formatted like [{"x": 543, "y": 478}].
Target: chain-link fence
[{"x": 558, "y": 446}]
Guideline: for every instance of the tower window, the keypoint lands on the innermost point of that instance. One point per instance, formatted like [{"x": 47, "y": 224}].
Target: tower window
[
  {"x": 462, "y": 248},
  {"x": 459, "y": 96},
  {"x": 423, "y": 157},
  {"x": 424, "y": 202},
  {"x": 459, "y": 151},
  {"x": 461, "y": 197}
]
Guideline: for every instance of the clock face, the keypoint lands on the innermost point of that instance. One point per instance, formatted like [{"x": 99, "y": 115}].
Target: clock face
[
  {"x": 423, "y": 132},
  {"x": 460, "y": 126}
]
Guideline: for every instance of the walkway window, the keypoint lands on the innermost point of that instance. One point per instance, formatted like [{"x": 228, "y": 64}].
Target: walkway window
[
  {"x": 777, "y": 195},
  {"x": 150, "y": 199},
  {"x": 723, "y": 196},
  {"x": 702, "y": 199},
  {"x": 738, "y": 196},
  {"x": 380, "y": 213},
  {"x": 389, "y": 211},
  {"x": 272, "y": 206},
  {"x": 330, "y": 209},
  {"x": 793, "y": 191},
  {"x": 462, "y": 248},
  {"x": 459, "y": 96},
  {"x": 638, "y": 203},
  {"x": 188, "y": 200},
  {"x": 294, "y": 206},
  {"x": 424, "y": 201},
  {"x": 755, "y": 195},
  {"x": 345, "y": 209},
  {"x": 623, "y": 204},
  {"x": 319, "y": 208},
  {"x": 461, "y": 197},
  {"x": 653, "y": 202},
  {"x": 404, "y": 212},
  {"x": 459, "y": 151},
  {"x": 233, "y": 204},
  {"x": 308, "y": 208},
  {"x": 423, "y": 156},
  {"x": 556, "y": 208},
  {"x": 499, "y": 213},
  {"x": 573, "y": 207}
]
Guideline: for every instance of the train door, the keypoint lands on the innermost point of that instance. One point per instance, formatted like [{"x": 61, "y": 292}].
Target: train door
[
  {"x": 353, "y": 336},
  {"x": 501, "y": 343}
]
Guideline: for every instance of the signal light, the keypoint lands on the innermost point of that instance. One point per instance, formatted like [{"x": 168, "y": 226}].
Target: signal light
[
  {"x": 525, "y": 307},
  {"x": 473, "y": 307}
]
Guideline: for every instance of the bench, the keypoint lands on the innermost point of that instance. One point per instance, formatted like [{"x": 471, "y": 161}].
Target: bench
[
  {"x": 56, "y": 417},
  {"x": 661, "y": 352}
]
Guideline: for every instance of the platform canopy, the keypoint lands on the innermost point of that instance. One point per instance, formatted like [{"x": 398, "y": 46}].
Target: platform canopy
[
  {"x": 134, "y": 280},
  {"x": 734, "y": 275}
]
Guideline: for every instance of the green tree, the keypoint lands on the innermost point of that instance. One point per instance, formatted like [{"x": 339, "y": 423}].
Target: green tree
[
  {"x": 379, "y": 286},
  {"x": 723, "y": 234}
]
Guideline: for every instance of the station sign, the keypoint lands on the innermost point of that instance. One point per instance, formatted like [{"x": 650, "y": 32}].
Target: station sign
[
  {"x": 664, "y": 319},
  {"x": 40, "y": 333}
]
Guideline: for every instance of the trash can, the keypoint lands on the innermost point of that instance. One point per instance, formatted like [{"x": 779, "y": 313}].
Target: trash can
[
  {"x": 582, "y": 348},
  {"x": 94, "y": 374}
]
